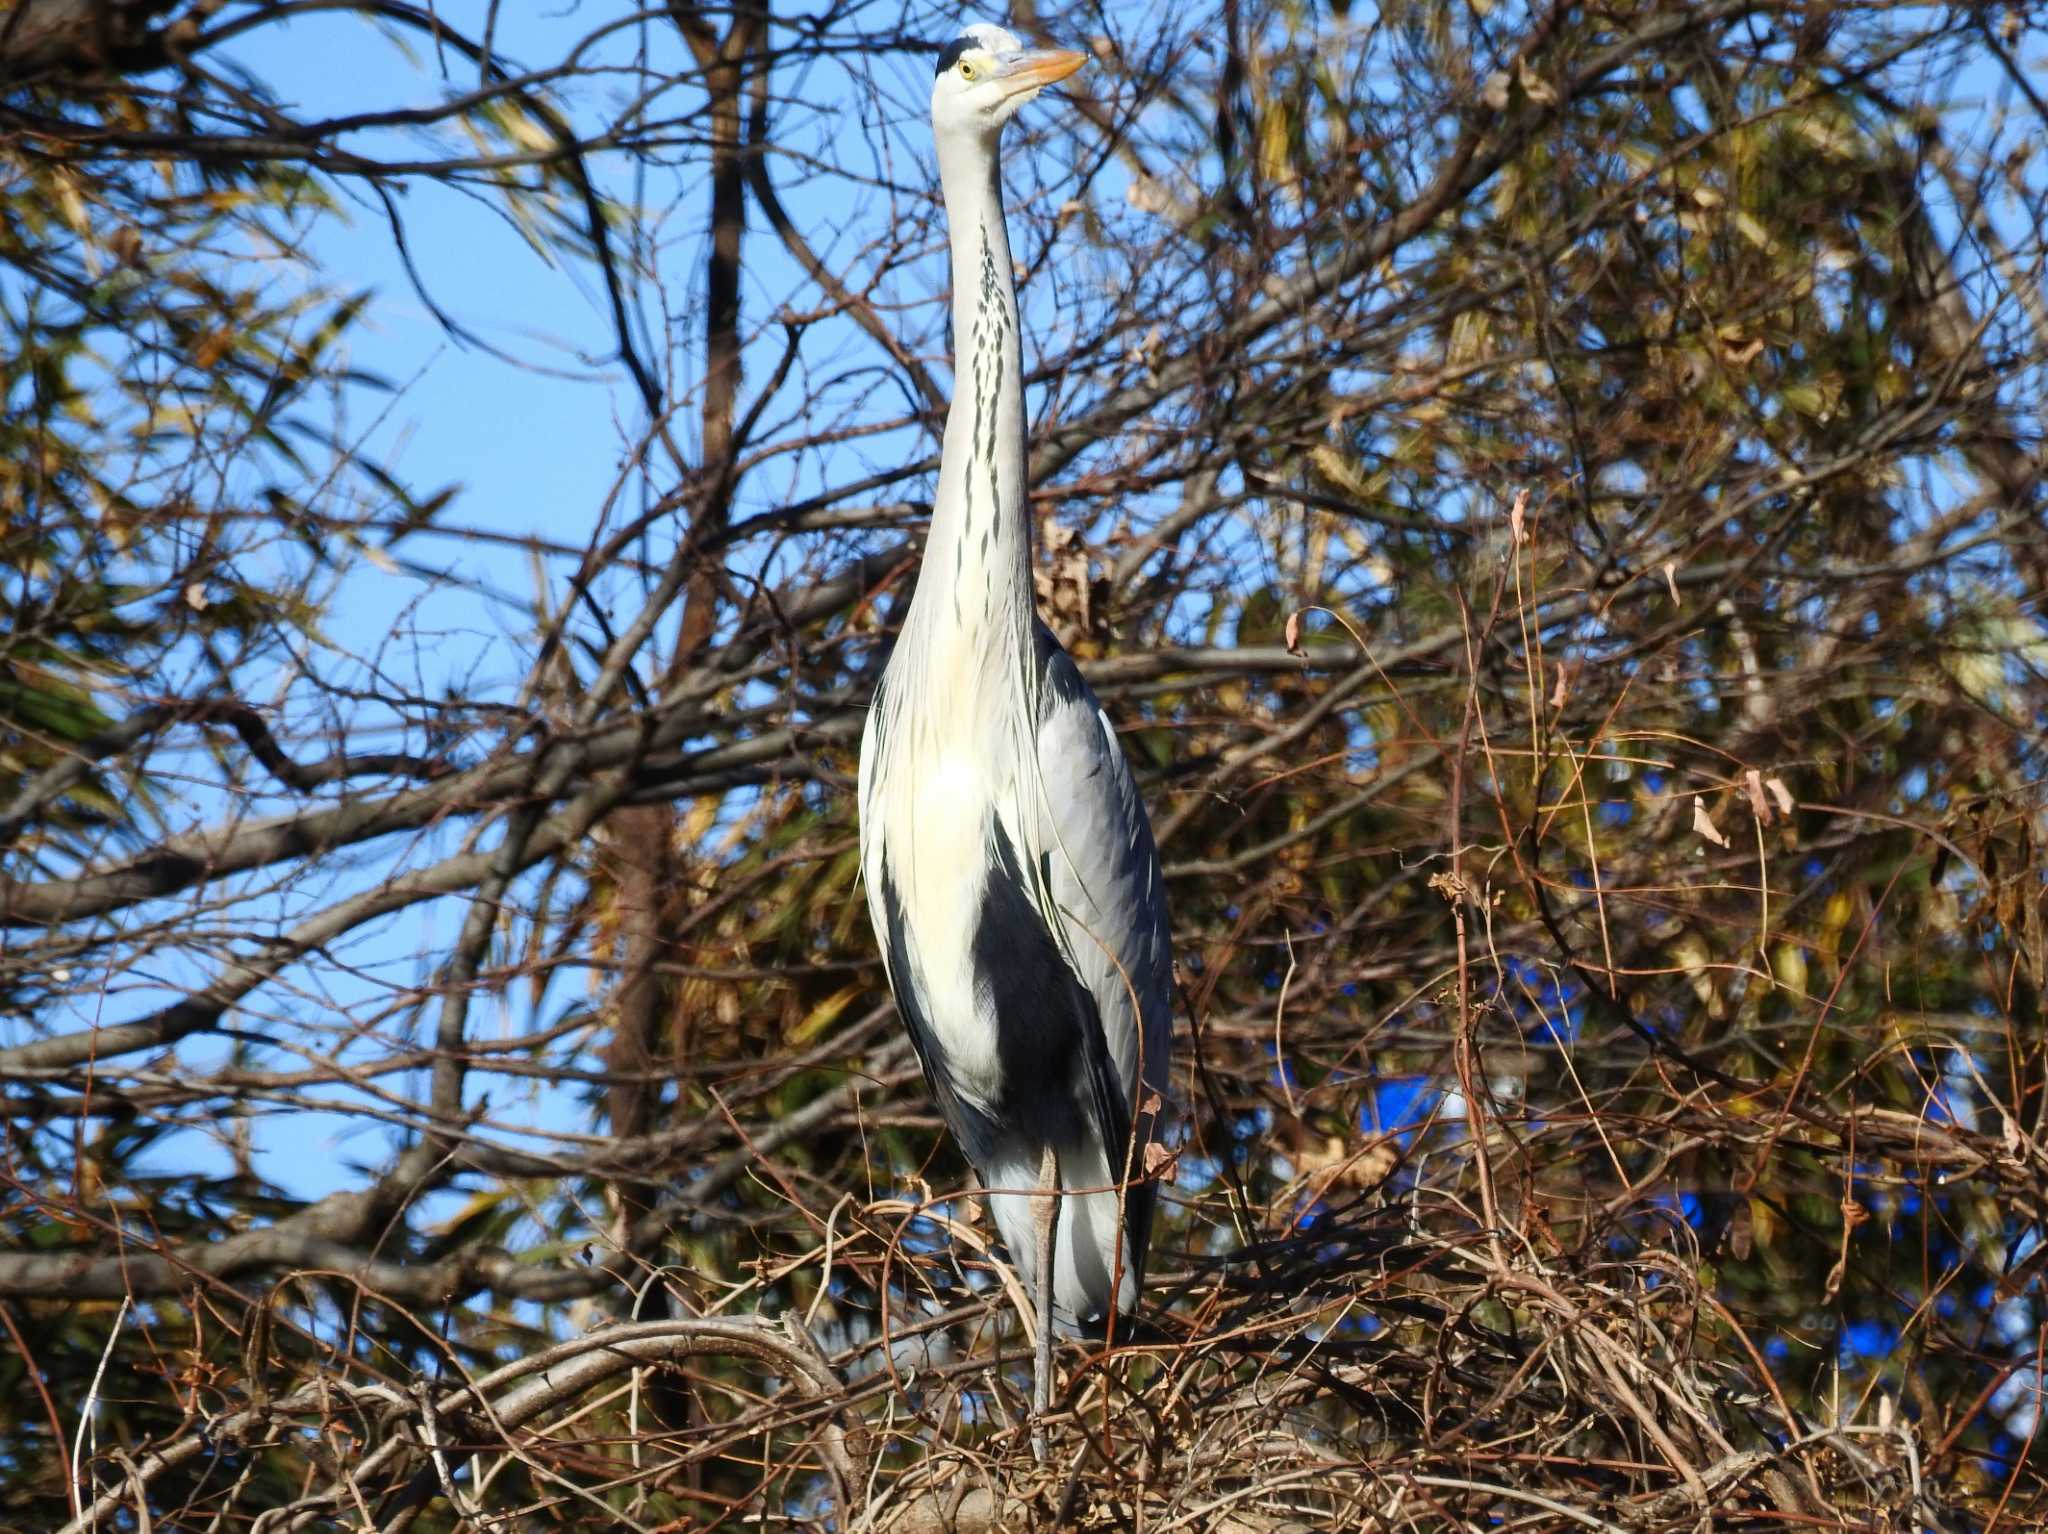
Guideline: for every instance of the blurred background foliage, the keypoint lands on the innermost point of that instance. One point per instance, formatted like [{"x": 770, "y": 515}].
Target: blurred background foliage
[{"x": 1552, "y": 496}]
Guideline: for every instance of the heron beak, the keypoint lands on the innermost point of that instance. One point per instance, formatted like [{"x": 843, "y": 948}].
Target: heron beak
[{"x": 1039, "y": 68}]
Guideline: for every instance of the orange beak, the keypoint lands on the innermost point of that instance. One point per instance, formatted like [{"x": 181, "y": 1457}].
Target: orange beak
[{"x": 1040, "y": 68}]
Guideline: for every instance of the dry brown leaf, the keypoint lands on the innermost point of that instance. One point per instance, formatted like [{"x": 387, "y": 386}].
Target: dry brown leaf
[
  {"x": 1060, "y": 578},
  {"x": 1703, "y": 823},
  {"x": 125, "y": 246},
  {"x": 1534, "y": 86},
  {"x": 1780, "y": 793},
  {"x": 1334, "y": 1163},
  {"x": 1294, "y": 633},
  {"x": 1738, "y": 352},
  {"x": 1753, "y": 785},
  {"x": 1671, "y": 581},
  {"x": 1452, "y": 886}
]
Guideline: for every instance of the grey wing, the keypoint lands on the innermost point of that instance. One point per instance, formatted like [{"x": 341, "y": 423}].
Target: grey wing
[{"x": 1102, "y": 871}]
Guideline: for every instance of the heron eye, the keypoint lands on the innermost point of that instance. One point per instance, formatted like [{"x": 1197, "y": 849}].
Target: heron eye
[{"x": 967, "y": 70}]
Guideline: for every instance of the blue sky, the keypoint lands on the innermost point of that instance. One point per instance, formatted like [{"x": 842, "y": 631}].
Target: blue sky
[
  {"x": 534, "y": 449},
  {"x": 535, "y": 438}
]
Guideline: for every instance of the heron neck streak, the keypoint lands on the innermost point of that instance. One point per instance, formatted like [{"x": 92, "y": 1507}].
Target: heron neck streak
[{"x": 976, "y": 584}]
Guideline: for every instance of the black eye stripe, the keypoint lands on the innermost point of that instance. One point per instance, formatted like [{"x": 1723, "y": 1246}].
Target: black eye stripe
[{"x": 951, "y": 55}]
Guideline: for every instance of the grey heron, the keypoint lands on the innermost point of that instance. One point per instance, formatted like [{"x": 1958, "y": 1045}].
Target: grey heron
[{"x": 1010, "y": 869}]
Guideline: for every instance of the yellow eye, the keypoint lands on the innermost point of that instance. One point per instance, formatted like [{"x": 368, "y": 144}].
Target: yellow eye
[{"x": 967, "y": 70}]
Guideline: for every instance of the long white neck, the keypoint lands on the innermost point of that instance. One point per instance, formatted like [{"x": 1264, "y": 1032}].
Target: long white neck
[{"x": 976, "y": 582}]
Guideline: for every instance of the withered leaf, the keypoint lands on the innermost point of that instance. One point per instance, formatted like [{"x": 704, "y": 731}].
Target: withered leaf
[{"x": 1753, "y": 785}]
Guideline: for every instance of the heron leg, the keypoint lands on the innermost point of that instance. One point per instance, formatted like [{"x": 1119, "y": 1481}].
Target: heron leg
[{"x": 1047, "y": 1210}]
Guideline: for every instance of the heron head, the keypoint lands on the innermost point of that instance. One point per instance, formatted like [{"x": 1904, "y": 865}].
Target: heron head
[{"x": 985, "y": 75}]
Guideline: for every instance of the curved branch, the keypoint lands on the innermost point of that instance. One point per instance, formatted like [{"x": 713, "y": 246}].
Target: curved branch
[{"x": 542, "y": 1382}]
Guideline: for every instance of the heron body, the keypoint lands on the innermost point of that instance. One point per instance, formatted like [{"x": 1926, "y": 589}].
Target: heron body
[{"x": 1009, "y": 865}]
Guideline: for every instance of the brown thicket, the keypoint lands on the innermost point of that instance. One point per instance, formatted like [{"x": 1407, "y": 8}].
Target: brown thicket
[{"x": 1553, "y": 498}]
